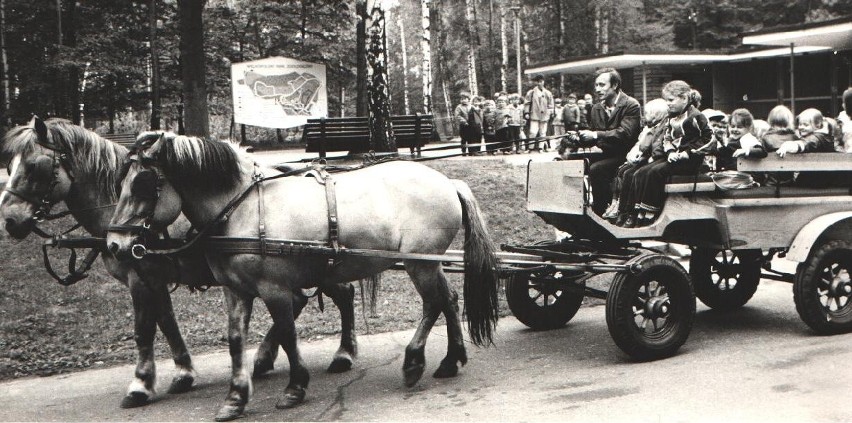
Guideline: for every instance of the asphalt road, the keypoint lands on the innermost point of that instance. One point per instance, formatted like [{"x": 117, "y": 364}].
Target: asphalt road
[{"x": 760, "y": 363}]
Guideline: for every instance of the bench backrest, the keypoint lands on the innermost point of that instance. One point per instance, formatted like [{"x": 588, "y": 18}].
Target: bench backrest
[
  {"x": 126, "y": 140},
  {"x": 349, "y": 133},
  {"x": 810, "y": 162}
]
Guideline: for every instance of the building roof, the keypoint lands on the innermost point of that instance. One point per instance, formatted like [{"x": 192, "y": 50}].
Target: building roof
[
  {"x": 835, "y": 34},
  {"x": 584, "y": 65}
]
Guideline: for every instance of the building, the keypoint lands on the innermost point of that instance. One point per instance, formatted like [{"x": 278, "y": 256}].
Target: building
[{"x": 818, "y": 55}]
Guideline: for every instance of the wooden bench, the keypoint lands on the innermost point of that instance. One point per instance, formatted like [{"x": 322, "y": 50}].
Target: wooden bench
[
  {"x": 810, "y": 162},
  {"x": 353, "y": 133},
  {"x": 126, "y": 140}
]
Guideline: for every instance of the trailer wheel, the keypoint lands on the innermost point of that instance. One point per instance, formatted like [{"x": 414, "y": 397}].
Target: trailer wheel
[
  {"x": 649, "y": 314},
  {"x": 823, "y": 289},
  {"x": 541, "y": 301},
  {"x": 725, "y": 279}
]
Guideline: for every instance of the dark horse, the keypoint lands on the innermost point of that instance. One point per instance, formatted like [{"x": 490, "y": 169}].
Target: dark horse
[
  {"x": 55, "y": 161},
  {"x": 396, "y": 207}
]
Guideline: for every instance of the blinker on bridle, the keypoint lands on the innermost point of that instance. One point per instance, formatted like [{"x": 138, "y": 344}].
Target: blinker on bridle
[{"x": 147, "y": 185}]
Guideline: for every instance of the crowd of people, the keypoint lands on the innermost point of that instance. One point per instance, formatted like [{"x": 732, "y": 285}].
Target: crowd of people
[{"x": 642, "y": 148}]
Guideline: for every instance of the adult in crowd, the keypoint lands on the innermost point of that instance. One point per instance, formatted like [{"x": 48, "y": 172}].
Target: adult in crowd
[
  {"x": 614, "y": 128},
  {"x": 538, "y": 108}
]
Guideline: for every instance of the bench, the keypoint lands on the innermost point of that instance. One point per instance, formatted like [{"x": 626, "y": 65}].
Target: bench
[
  {"x": 126, "y": 140},
  {"x": 353, "y": 133}
]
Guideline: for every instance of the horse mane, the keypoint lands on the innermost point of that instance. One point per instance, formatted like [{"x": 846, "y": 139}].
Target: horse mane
[
  {"x": 93, "y": 157},
  {"x": 200, "y": 164}
]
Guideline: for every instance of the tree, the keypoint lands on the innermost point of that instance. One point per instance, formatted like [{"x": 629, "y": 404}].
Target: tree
[
  {"x": 425, "y": 46},
  {"x": 381, "y": 129},
  {"x": 473, "y": 85},
  {"x": 194, "y": 74}
]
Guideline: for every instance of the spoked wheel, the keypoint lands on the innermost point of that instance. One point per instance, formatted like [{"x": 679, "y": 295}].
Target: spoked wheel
[
  {"x": 649, "y": 314},
  {"x": 541, "y": 300},
  {"x": 725, "y": 279},
  {"x": 823, "y": 289}
]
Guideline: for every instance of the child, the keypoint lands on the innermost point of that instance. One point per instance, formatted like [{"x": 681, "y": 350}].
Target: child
[
  {"x": 845, "y": 122},
  {"x": 572, "y": 115},
  {"x": 814, "y": 137},
  {"x": 516, "y": 121},
  {"x": 502, "y": 115},
  {"x": 741, "y": 141},
  {"x": 474, "y": 127},
  {"x": 462, "y": 113},
  {"x": 558, "y": 122},
  {"x": 719, "y": 125},
  {"x": 647, "y": 148},
  {"x": 584, "y": 122},
  {"x": 489, "y": 124},
  {"x": 780, "y": 121},
  {"x": 686, "y": 139}
]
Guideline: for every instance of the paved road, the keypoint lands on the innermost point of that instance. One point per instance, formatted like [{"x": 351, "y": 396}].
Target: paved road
[{"x": 756, "y": 364}]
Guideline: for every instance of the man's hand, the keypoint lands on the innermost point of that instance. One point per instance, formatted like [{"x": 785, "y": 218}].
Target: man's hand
[
  {"x": 587, "y": 135},
  {"x": 788, "y": 147}
]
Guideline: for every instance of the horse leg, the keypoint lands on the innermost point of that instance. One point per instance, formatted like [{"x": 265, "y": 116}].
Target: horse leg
[
  {"x": 280, "y": 305},
  {"x": 239, "y": 308},
  {"x": 456, "y": 352},
  {"x": 267, "y": 351},
  {"x": 141, "y": 389},
  {"x": 183, "y": 380},
  {"x": 425, "y": 276},
  {"x": 343, "y": 296}
]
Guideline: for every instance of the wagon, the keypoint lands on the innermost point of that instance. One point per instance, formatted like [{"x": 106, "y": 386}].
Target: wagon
[{"x": 733, "y": 234}]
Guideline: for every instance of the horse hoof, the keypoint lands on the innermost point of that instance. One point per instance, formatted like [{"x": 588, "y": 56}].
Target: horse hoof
[
  {"x": 292, "y": 397},
  {"x": 262, "y": 367},
  {"x": 446, "y": 371},
  {"x": 340, "y": 365},
  {"x": 413, "y": 374},
  {"x": 181, "y": 384},
  {"x": 229, "y": 412},
  {"x": 135, "y": 399}
]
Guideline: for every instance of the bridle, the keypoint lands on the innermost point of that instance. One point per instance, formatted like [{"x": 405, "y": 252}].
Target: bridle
[{"x": 149, "y": 188}]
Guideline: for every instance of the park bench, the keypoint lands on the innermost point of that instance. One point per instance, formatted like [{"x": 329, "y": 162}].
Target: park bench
[
  {"x": 126, "y": 140},
  {"x": 353, "y": 133}
]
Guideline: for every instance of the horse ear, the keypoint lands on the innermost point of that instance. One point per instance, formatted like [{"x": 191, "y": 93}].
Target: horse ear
[
  {"x": 154, "y": 147},
  {"x": 40, "y": 129}
]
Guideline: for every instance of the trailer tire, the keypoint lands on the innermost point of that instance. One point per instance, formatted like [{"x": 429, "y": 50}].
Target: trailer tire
[
  {"x": 723, "y": 279},
  {"x": 659, "y": 295},
  {"x": 823, "y": 281},
  {"x": 541, "y": 306}
]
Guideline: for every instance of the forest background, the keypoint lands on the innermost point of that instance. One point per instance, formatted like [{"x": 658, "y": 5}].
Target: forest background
[{"x": 91, "y": 60}]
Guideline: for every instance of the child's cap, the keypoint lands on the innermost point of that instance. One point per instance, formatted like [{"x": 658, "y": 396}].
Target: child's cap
[
  {"x": 713, "y": 114},
  {"x": 557, "y": 101},
  {"x": 572, "y": 95}
]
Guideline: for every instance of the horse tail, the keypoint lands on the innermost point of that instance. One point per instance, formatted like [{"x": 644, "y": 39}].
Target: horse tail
[
  {"x": 370, "y": 293},
  {"x": 480, "y": 270}
]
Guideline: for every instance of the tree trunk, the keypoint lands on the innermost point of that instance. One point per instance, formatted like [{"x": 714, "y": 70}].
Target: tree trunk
[
  {"x": 155, "y": 66},
  {"x": 69, "y": 30},
  {"x": 381, "y": 129},
  {"x": 560, "y": 40},
  {"x": 442, "y": 59},
  {"x": 471, "y": 50},
  {"x": 406, "y": 108},
  {"x": 605, "y": 15},
  {"x": 361, "y": 101},
  {"x": 4, "y": 71},
  {"x": 504, "y": 47},
  {"x": 425, "y": 46},
  {"x": 193, "y": 67}
]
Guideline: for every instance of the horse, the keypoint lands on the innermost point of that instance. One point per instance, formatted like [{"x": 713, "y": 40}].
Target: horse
[
  {"x": 55, "y": 161},
  {"x": 398, "y": 207}
]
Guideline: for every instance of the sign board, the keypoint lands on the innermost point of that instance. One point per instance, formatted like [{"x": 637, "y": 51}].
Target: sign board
[{"x": 278, "y": 92}]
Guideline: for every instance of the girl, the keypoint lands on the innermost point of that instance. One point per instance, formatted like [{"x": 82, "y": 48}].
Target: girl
[
  {"x": 686, "y": 138},
  {"x": 502, "y": 115},
  {"x": 489, "y": 123},
  {"x": 741, "y": 141},
  {"x": 781, "y": 130},
  {"x": 516, "y": 121}
]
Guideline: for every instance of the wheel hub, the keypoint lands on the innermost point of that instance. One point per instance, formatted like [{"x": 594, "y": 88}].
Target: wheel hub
[
  {"x": 657, "y": 307},
  {"x": 841, "y": 285}
]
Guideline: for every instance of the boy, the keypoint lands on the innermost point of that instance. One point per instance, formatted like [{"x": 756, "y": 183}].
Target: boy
[
  {"x": 572, "y": 114},
  {"x": 461, "y": 114},
  {"x": 558, "y": 123}
]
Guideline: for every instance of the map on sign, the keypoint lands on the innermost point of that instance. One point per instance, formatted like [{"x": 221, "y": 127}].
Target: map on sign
[{"x": 278, "y": 92}]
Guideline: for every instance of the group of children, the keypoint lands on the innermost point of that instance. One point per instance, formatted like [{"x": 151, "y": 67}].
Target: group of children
[
  {"x": 500, "y": 122},
  {"x": 679, "y": 140}
]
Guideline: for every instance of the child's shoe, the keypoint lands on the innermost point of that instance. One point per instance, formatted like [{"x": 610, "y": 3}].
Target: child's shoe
[{"x": 611, "y": 211}]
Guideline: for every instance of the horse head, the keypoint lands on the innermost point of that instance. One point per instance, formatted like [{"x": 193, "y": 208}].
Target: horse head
[
  {"x": 147, "y": 204},
  {"x": 40, "y": 176}
]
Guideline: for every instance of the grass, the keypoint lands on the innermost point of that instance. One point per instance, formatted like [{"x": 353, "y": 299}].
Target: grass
[{"x": 47, "y": 329}]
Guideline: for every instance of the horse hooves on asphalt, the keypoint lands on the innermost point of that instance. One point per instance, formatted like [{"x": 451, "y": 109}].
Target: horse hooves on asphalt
[
  {"x": 229, "y": 412},
  {"x": 181, "y": 384},
  {"x": 135, "y": 399},
  {"x": 340, "y": 365},
  {"x": 292, "y": 397}
]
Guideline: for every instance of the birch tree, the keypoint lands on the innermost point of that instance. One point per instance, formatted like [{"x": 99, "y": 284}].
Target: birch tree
[
  {"x": 471, "y": 49},
  {"x": 504, "y": 50},
  {"x": 426, "y": 48},
  {"x": 404, "y": 63},
  {"x": 4, "y": 76}
]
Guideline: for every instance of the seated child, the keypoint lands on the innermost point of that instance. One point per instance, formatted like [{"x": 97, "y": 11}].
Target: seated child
[
  {"x": 719, "y": 125},
  {"x": 814, "y": 137},
  {"x": 781, "y": 130},
  {"x": 687, "y": 139},
  {"x": 647, "y": 148},
  {"x": 760, "y": 128},
  {"x": 741, "y": 141}
]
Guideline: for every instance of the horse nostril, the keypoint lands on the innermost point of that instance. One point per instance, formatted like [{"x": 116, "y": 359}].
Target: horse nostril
[{"x": 113, "y": 248}]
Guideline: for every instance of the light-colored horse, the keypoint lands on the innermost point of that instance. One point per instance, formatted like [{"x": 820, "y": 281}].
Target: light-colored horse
[
  {"x": 393, "y": 207},
  {"x": 55, "y": 161}
]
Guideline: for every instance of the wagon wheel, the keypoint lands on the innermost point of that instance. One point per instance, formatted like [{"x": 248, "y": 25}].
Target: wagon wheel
[
  {"x": 541, "y": 301},
  {"x": 649, "y": 314},
  {"x": 725, "y": 279},
  {"x": 823, "y": 289}
]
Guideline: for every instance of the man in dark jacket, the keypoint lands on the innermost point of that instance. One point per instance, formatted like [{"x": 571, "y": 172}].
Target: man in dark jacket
[{"x": 614, "y": 128}]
